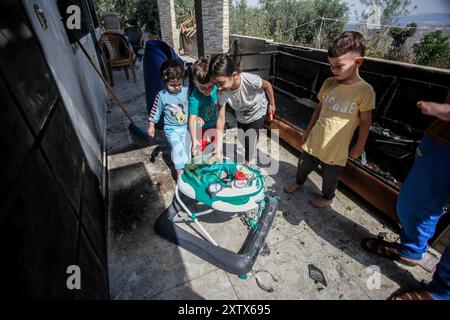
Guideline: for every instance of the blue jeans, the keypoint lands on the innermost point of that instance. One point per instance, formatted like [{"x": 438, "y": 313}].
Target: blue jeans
[
  {"x": 180, "y": 141},
  {"x": 421, "y": 202}
]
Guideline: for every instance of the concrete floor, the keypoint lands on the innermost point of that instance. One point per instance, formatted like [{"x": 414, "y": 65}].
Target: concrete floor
[{"x": 142, "y": 265}]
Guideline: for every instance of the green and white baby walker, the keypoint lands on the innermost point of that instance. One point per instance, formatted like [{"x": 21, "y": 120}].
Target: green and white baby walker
[{"x": 225, "y": 187}]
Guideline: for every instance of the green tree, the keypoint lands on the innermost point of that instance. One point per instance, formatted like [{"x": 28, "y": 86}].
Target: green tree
[
  {"x": 144, "y": 11},
  {"x": 331, "y": 28},
  {"x": 182, "y": 8},
  {"x": 400, "y": 35},
  {"x": 124, "y": 8},
  {"x": 391, "y": 10},
  {"x": 290, "y": 21},
  {"x": 433, "y": 50},
  {"x": 397, "y": 51},
  {"x": 147, "y": 15},
  {"x": 238, "y": 15},
  {"x": 373, "y": 47}
]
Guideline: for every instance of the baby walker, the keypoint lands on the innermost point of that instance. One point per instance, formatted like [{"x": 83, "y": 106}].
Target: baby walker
[{"x": 224, "y": 186}]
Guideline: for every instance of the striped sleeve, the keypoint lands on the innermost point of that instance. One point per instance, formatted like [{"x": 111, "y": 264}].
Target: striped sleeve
[{"x": 156, "y": 111}]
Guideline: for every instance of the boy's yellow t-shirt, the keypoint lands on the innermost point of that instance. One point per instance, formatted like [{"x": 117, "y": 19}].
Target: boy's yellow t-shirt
[{"x": 330, "y": 137}]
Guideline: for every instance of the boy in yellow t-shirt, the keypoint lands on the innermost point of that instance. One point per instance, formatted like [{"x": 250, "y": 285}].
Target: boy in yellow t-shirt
[{"x": 346, "y": 101}]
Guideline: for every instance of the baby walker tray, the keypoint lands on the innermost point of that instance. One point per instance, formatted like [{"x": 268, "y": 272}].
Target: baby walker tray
[{"x": 224, "y": 187}]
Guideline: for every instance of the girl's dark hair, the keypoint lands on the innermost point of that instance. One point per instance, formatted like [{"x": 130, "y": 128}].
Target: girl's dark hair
[
  {"x": 223, "y": 65},
  {"x": 171, "y": 70}
]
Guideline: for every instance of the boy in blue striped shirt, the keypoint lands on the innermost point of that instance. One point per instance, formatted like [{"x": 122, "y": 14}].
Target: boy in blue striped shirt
[{"x": 173, "y": 101}]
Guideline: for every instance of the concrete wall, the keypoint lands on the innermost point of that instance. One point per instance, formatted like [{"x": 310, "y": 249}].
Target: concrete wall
[
  {"x": 52, "y": 212},
  {"x": 81, "y": 89},
  {"x": 258, "y": 64}
]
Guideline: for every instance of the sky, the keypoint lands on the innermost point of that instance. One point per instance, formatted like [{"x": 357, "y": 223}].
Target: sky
[{"x": 423, "y": 6}]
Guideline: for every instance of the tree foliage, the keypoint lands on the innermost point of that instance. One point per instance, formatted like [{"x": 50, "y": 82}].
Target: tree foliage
[
  {"x": 433, "y": 50},
  {"x": 145, "y": 12},
  {"x": 398, "y": 50},
  {"x": 290, "y": 21},
  {"x": 400, "y": 35},
  {"x": 124, "y": 8},
  {"x": 386, "y": 42},
  {"x": 147, "y": 15},
  {"x": 182, "y": 8},
  {"x": 300, "y": 22},
  {"x": 391, "y": 10}
]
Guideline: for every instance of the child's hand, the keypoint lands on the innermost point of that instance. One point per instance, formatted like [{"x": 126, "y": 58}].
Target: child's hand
[
  {"x": 151, "y": 130},
  {"x": 357, "y": 151},
  {"x": 200, "y": 122},
  {"x": 218, "y": 152},
  {"x": 272, "y": 108},
  {"x": 196, "y": 148}
]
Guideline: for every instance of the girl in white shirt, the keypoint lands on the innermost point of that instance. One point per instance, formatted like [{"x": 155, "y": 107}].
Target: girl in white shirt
[{"x": 245, "y": 93}]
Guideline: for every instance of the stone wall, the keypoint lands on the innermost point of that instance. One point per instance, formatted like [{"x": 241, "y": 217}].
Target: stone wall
[
  {"x": 169, "y": 32},
  {"x": 213, "y": 26}
]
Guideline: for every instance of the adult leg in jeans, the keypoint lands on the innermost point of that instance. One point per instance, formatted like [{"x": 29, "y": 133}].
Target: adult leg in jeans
[
  {"x": 439, "y": 287},
  {"x": 422, "y": 197},
  {"x": 420, "y": 204}
]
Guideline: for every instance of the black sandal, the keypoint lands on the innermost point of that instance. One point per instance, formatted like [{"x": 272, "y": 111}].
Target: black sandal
[
  {"x": 379, "y": 247},
  {"x": 413, "y": 295}
]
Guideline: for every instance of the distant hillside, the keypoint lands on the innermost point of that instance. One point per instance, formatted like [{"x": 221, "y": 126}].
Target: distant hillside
[
  {"x": 437, "y": 20},
  {"x": 427, "y": 19}
]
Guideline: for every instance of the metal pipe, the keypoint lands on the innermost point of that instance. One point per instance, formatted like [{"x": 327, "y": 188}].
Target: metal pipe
[
  {"x": 193, "y": 219},
  {"x": 198, "y": 214},
  {"x": 295, "y": 85}
]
